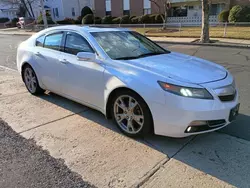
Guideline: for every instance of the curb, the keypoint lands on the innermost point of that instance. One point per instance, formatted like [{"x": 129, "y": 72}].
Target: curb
[
  {"x": 17, "y": 34},
  {"x": 205, "y": 44}
]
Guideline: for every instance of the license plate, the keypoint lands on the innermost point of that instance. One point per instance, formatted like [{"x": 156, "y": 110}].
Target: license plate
[{"x": 234, "y": 113}]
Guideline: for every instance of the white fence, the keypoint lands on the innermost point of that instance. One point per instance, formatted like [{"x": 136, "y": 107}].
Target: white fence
[{"x": 196, "y": 20}]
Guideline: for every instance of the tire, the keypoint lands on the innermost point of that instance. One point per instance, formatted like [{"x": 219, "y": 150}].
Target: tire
[
  {"x": 133, "y": 120},
  {"x": 31, "y": 81}
]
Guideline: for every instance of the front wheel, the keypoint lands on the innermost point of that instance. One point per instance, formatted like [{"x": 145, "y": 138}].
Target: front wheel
[
  {"x": 31, "y": 82},
  {"x": 131, "y": 114}
]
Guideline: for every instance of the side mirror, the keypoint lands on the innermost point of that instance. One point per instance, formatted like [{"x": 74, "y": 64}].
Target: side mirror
[{"x": 86, "y": 56}]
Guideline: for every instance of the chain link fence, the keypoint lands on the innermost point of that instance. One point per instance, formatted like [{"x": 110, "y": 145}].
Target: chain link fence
[{"x": 217, "y": 30}]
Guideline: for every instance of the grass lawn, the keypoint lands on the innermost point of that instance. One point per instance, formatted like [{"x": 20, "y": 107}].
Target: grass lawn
[{"x": 215, "y": 32}]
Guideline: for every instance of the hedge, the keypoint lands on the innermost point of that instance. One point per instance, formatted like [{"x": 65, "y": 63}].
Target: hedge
[
  {"x": 98, "y": 20},
  {"x": 49, "y": 19},
  {"x": 239, "y": 14},
  {"x": 107, "y": 20},
  {"x": 67, "y": 21},
  {"x": 135, "y": 20},
  {"x": 223, "y": 16},
  {"x": 85, "y": 11},
  {"x": 88, "y": 19},
  {"x": 3, "y": 20}
]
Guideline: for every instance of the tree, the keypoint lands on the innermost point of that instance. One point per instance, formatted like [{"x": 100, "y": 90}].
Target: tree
[
  {"x": 166, "y": 7},
  {"x": 205, "y": 22}
]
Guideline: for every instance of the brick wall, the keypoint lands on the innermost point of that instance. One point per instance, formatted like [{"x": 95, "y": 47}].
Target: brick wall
[
  {"x": 100, "y": 8},
  {"x": 117, "y": 7},
  {"x": 241, "y": 2},
  {"x": 136, "y": 7}
]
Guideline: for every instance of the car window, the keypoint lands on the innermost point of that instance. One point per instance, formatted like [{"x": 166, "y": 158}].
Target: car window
[
  {"x": 53, "y": 41},
  {"x": 75, "y": 43},
  {"x": 39, "y": 41}
]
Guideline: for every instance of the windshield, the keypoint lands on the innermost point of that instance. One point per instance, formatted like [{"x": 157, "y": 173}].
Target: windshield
[{"x": 127, "y": 45}]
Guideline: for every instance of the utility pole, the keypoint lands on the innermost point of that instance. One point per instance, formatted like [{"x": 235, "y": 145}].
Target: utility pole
[{"x": 44, "y": 14}]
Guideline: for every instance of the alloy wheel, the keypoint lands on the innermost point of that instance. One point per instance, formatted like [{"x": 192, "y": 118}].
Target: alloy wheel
[
  {"x": 30, "y": 80},
  {"x": 128, "y": 114}
]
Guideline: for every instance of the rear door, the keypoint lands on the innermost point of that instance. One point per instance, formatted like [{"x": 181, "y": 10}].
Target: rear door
[{"x": 47, "y": 55}]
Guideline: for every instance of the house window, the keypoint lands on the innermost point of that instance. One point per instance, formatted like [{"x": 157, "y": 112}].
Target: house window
[
  {"x": 56, "y": 12},
  {"x": 180, "y": 11},
  {"x": 108, "y": 13},
  {"x": 108, "y": 5},
  {"x": 126, "y": 12},
  {"x": 147, "y": 11},
  {"x": 73, "y": 12},
  {"x": 191, "y": 7}
]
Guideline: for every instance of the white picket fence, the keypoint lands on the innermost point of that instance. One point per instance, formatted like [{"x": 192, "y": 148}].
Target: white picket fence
[{"x": 196, "y": 20}]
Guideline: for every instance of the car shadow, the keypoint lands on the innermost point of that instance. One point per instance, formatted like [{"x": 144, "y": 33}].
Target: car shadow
[{"x": 217, "y": 154}]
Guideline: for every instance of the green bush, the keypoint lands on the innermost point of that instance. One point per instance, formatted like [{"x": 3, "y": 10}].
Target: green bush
[
  {"x": 107, "y": 20},
  {"x": 235, "y": 14},
  {"x": 239, "y": 14},
  {"x": 125, "y": 20},
  {"x": 98, "y": 20},
  {"x": 88, "y": 19},
  {"x": 85, "y": 11},
  {"x": 223, "y": 16},
  {"x": 14, "y": 21},
  {"x": 145, "y": 19},
  {"x": 3, "y": 20},
  {"x": 67, "y": 21},
  {"x": 158, "y": 18},
  {"x": 135, "y": 20},
  {"x": 116, "y": 20},
  {"x": 49, "y": 19}
]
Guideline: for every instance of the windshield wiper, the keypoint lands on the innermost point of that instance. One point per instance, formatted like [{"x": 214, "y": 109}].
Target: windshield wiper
[{"x": 140, "y": 56}]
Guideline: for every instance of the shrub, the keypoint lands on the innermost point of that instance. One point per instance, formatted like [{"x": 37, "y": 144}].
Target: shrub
[
  {"x": 3, "y": 20},
  {"x": 116, "y": 20},
  {"x": 85, "y": 11},
  {"x": 135, "y": 20},
  {"x": 235, "y": 14},
  {"x": 49, "y": 19},
  {"x": 131, "y": 17},
  {"x": 158, "y": 18},
  {"x": 223, "y": 16},
  {"x": 125, "y": 20},
  {"x": 145, "y": 19},
  {"x": 239, "y": 14},
  {"x": 98, "y": 20},
  {"x": 88, "y": 19},
  {"x": 107, "y": 20},
  {"x": 67, "y": 21}
]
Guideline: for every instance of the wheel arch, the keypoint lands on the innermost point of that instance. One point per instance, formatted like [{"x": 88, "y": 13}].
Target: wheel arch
[{"x": 112, "y": 95}]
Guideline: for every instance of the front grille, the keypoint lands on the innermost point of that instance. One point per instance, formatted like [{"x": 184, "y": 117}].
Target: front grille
[
  {"x": 227, "y": 98},
  {"x": 216, "y": 123}
]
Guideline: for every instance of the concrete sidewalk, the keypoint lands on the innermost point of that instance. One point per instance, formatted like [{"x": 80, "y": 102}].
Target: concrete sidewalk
[
  {"x": 223, "y": 42},
  {"x": 93, "y": 147}
]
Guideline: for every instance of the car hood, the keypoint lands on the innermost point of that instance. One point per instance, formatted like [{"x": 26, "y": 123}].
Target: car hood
[{"x": 181, "y": 67}]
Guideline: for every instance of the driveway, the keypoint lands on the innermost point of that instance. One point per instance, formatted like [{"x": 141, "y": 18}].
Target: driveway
[{"x": 93, "y": 147}]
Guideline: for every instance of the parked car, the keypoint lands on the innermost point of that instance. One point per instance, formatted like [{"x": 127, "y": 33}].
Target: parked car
[
  {"x": 141, "y": 86},
  {"x": 23, "y": 21}
]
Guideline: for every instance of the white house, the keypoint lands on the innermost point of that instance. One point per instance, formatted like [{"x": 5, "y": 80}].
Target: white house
[
  {"x": 8, "y": 10},
  {"x": 61, "y": 9}
]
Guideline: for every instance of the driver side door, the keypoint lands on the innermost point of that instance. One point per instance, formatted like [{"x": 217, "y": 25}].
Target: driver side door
[{"x": 82, "y": 80}]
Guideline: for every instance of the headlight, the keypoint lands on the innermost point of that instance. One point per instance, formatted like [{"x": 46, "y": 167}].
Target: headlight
[{"x": 199, "y": 93}]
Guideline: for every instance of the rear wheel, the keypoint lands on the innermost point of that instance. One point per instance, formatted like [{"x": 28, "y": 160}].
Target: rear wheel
[
  {"x": 31, "y": 82},
  {"x": 131, "y": 114}
]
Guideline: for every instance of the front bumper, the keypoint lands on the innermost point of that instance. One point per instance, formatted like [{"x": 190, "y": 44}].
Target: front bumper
[{"x": 174, "y": 118}]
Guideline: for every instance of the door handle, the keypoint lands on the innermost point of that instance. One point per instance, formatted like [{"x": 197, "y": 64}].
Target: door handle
[
  {"x": 64, "y": 61},
  {"x": 38, "y": 54}
]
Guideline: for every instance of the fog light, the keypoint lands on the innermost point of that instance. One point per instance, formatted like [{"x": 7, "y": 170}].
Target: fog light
[
  {"x": 198, "y": 123},
  {"x": 189, "y": 129}
]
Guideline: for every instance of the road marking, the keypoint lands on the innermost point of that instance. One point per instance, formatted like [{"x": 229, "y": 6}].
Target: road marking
[{"x": 7, "y": 68}]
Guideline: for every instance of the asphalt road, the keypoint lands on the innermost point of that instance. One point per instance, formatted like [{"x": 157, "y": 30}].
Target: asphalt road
[{"x": 234, "y": 59}]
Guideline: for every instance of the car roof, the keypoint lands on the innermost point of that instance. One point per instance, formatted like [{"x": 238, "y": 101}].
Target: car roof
[{"x": 88, "y": 29}]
